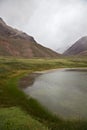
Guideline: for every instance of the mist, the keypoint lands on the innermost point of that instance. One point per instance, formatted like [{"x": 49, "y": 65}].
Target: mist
[{"x": 54, "y": 24}]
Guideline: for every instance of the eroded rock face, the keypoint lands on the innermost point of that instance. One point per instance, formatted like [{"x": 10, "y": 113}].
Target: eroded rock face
[{"x": 17, "y": 43}]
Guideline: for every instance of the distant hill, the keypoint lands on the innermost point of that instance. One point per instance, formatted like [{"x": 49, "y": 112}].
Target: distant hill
[
  {"x": 78, "y": 48},
  {"x": 19, "y": 44}
]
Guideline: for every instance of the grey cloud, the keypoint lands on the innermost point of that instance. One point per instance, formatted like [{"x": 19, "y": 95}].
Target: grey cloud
[{"x": 55, "y": 24}]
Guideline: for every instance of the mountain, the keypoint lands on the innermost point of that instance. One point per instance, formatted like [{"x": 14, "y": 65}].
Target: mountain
[
  {"x": 19, "y": 44},
  {"x": 78, "y": 48},
  {"x": 84, "y": 53}
]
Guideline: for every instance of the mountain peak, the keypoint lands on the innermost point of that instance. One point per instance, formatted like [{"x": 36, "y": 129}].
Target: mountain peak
[
  {"x": 78, "y": 47},
  {"x": 2, "y": 21},
  {"x": 8, "y": 31}
]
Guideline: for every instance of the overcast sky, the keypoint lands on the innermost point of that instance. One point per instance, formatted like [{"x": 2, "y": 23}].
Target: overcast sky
[{"x": 56, "y": 24}]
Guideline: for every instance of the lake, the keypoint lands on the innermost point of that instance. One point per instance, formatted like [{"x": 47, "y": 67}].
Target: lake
[{"x": 63, "y": 92}]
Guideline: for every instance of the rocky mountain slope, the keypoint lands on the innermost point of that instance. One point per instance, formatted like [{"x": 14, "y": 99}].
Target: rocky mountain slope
[
  {"x": 78, "y": 48},
  {"x": 19, "y": 44}
]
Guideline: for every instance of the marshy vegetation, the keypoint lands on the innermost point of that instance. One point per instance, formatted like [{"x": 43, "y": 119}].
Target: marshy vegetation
[{"x": 12, "y": 99}]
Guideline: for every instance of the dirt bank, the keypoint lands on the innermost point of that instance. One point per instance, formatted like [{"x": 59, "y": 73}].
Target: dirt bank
[{"x": 28, "y": 80}]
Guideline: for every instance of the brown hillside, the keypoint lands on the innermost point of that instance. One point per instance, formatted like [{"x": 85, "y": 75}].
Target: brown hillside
[
  {"x": 17, "y": 43},
  {"x": 84, "y": 53},
  {"x": 78, "y": 47}
]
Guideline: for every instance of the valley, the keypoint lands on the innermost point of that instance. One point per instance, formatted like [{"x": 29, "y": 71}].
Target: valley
[
  {"x": 12, "y": 69},
  {"x": 22, "y": 60}
]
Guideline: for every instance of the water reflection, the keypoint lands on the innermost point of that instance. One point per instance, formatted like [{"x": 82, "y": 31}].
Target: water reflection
[{"x": 62, "y": 92}]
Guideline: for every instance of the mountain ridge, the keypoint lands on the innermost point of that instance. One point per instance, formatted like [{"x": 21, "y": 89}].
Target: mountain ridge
[
  {"x": 17, "y": 43},
  {"x": 78, "y": 47}
]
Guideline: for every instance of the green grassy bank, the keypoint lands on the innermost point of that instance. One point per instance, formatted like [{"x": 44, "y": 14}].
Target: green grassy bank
[
  {"x": 11, "y": 70},
  {"x": 15, "y": 119}
]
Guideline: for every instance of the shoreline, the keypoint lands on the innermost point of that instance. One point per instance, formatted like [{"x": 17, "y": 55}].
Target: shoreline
[
  {"x": 70, "y": 69},
  {"x": 29, "y": 79}
]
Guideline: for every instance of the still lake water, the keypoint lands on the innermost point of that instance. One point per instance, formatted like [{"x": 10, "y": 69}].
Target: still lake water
[{"x": 63, "y": 92}]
